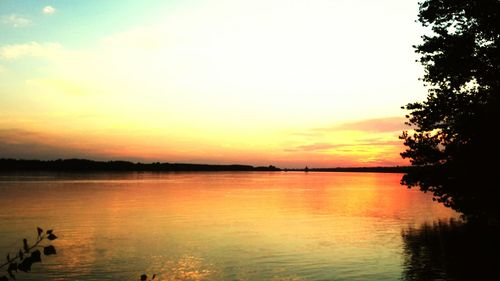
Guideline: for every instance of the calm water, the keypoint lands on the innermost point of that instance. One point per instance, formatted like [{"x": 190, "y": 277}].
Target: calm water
[{"x": 217, "y": 226}]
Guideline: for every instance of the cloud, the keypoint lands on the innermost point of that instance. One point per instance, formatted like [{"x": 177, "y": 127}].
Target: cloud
[
  {"x": 27, "y": 144},
  {"x": 15, "y": 20},
  {"x": 18, "y": 143},
  {"x": 315, "y": 147},
  {"x": 379, "y": 125},
  {"x": 373, "y": 126},
  {"x": 355, "y": 146},
  {"x": 33, "y": 144},
  {"x": 33, "y": 49},
  {"x": 48, "y": 10}
]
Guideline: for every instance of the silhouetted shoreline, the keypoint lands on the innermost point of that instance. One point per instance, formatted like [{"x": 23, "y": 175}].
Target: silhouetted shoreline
[
  {"x": 85, "y": 165},
  {"x": 82, "y": 165}
]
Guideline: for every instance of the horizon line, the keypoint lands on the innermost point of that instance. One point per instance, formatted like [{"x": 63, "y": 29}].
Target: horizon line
[{"x": 306, "y": 167}]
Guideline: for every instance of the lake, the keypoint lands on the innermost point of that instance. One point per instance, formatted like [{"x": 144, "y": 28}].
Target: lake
[{"x": 217, "y": 226}]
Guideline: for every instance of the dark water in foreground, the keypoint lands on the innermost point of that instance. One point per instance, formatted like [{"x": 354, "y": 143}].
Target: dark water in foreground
[{"x": 227, "y": 226}]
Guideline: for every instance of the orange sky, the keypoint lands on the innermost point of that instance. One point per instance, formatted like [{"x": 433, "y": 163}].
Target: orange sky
[{"x": 288, "y": 83}]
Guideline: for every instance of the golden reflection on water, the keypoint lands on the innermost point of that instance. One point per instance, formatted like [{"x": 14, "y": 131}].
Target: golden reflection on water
[
  {"x": 219, "y": 226},
  {"x": 186, "y": 268}
]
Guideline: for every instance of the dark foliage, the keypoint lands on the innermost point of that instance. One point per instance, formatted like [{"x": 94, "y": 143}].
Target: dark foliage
[
  {"x": 28, "y": 255},
  {"x": 454, "y": 143}
]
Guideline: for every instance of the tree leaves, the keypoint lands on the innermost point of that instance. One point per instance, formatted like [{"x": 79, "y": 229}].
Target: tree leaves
[
  {"x": 25, "y": 265},
  {"x": 52, "y": 236},
  {"x": 26, "y": 247},
  {"x": 454, "y": 126},
  {"x": 49, "y": 250},
  {"x": 12, "y": 267},
  {"x": 36, "y": 256},
  {"x": 29, "y": 254}
]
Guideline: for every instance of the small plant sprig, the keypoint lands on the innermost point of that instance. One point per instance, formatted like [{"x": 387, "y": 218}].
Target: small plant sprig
[{"x": 28, "y": 255}]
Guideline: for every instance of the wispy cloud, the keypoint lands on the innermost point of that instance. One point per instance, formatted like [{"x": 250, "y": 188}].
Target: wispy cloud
[
  {"x": 389, "y": 124},
  {"x": 33, "y": 49},
  {"x": 34, "y": 144},
  {"x": 362, "y": 152},
  {"x": 343, "y": 146},
  {"x": 18, "y": 143},
  {"x": 28, "y": 144},
  {"x": 14, "y": 20},
  {"x": 313, "y": 147},
  {"x": 48, "y": 10}
]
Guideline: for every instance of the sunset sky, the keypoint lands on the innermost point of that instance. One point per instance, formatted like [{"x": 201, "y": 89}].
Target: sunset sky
[{"x": 283, "y": 82}]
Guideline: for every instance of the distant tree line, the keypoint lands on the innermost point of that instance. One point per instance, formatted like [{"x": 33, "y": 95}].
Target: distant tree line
[{"x": 91, "y": 165}]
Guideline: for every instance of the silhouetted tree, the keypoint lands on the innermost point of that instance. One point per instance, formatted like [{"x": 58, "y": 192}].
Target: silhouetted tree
[{"x": 453, "y": 143}]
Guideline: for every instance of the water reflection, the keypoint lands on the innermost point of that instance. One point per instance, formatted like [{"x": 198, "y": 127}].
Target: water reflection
[
  {"x": 185, "y": 268},
  {"x": 451, "y": 250},
  {"x": 218, "y": 226}
]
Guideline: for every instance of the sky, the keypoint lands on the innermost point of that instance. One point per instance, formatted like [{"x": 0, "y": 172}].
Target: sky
[{"x": 290, "y": 83}]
